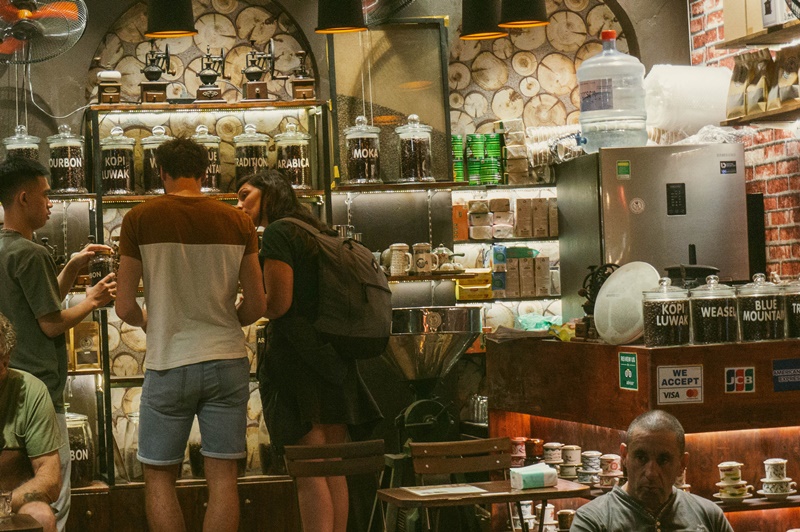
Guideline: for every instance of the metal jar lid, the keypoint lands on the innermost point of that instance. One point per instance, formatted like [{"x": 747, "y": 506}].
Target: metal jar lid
[
  {"x": 21, "y": 139},
  {"x": 413, "y": 129},
  {"x": 712, "y": 289},
  {"x": 362, "y": 129},
  {"x": 117, "y": 139},
  {"x": 250, "y": 136},
  {"x": 759, "y": 287},
  {"x": 158, "y": 137},
  {"x": 665, "y": 291},
  {"x": 202, "y": 136},
  {"x": 64, "y": 137},
  {"x": 292, "y": 136}
]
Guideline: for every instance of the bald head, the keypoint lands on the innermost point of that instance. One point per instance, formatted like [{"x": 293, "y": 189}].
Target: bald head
[{"x": 656, "y": 421}]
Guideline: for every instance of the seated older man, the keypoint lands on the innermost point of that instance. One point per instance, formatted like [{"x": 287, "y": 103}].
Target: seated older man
[{"x": 29, "y": 438}]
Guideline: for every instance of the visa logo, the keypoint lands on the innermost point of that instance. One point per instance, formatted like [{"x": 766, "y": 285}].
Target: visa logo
[{"x": 740, "y": 380}]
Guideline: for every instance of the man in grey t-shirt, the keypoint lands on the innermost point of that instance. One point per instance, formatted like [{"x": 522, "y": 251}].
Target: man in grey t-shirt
[{"x": 654, "y": 456}]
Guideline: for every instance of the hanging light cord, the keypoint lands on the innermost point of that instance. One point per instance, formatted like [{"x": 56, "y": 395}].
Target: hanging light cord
[
  {"x": 363, "y": 96},
  {"x": 33, "y": 100},
  {"x": 369, "y": 75}
]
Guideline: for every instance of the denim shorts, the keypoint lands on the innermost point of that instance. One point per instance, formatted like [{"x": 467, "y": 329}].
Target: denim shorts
[{"x": 216, "y": 391}]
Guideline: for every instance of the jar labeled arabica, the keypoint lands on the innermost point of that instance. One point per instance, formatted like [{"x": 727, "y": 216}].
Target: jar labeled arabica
[
  {"x": 21, "y": 144},
  {"x": 251, "y": 152},
  {"x": 100, "y": 265},
  {"x": 363, "y": 153},
  {"x": 415, "y": 151},
  {"x": 762, "y": 314},
  {"x": 293, "y": 156},
  {"x": 714, "y": 317},
  {"x": 666, "y": 315},
  {"x": 117, "y": 173},
  {"x": 211, "y": 143},
  {"x": 150, "y": 174},
  {"x": 792, "y": 294},
  {"x": 66, "y": 162},
  {"x": 81, "y": 450}
]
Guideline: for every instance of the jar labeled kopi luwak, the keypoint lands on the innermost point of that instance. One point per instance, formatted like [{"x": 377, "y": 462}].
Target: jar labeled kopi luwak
[
  {"x": 117, "y": 171},
  {"x": 363, "y": 153},
  {"x": 66, "y": 162},
  {"x": 666, "y": 315},
  {"x": 251, "y": 150},
  {"x": 20, "y": 144},
  {"x": 762, "y": 315},
  {"x": 294, "y": 159},
  {"x": 150, "y": 175},
  {"x": 714, "y": 316},
  {"x": 211, "y": 143}
]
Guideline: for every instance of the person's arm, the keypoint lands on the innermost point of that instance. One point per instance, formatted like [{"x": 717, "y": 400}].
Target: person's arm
[
  {"x": 66, "y": 279},
  {"x": 45, "y": 484},
  {"x": 254, "y": 304},
  {"x": 98, "y": 295},
  {"x": 128, "y": 276},
  {"x": 279, "y": 283}
]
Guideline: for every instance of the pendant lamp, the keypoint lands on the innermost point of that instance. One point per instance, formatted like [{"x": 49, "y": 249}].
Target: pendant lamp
[
  {"x": 523, "y": 14},
  {"x": 479, "y": 20},
  {"x": 340, "y": 16},
  {"x": 169, "y": 18}
]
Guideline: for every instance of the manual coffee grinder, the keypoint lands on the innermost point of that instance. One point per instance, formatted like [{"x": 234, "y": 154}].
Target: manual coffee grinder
[
  {"x": 156, "y": 63},
  {"x": 259, "y": 63},
  {"x": 213, "y": 67},
  {"x": 302, "y": 82}
]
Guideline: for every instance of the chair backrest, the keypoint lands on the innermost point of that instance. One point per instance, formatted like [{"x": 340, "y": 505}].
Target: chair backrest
[
  {"x": 470, "y": 456},
  {"x": 335, "y": 460}
]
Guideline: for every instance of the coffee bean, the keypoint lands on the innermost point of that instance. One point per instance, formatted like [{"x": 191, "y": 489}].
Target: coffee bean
[
  {"x": 714, "y": 320},
  {"x": 293, "y": 161},
  {"x": 66, "y": 170},
  {"x": 117, "y": 173},
  {"x": 250, "y": 159},
  {"x": 761, "y": 317},
  {"x": 666, "y": 323},
  {"x": 415, "y": 159},
  {"x": 363, "y": 160}
]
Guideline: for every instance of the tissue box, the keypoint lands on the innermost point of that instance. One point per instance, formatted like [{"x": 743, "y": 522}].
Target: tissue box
[
  {"x": 480, "y": 232},
  {"x": 533, "y": 476},
  {"x": 503, "y": 218},
  {"x": 503, "y": 231},
  {"x": 482, "y": 218},
  {"x": 478, "y": 206}
]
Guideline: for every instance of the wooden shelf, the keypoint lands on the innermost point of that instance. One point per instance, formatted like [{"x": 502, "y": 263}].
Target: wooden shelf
[
  {"x": 201, "y": 106},
  {"x": 774, "y": 35},
  {"x": 431, "y": 277},
  {"x": 139, "y": 198},
  {"x": 400, "y": 187},
  {"x": 788, "y": 112},
  {"x": 758, "y": 503},
  {"x": 503, "y": 240},
  {"x": 92, "y": 371}
]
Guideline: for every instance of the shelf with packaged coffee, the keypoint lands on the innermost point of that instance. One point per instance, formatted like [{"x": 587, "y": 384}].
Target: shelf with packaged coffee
[{"x": 772, "y": 36}]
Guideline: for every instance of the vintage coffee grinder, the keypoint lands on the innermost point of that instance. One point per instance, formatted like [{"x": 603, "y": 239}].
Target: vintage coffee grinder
[
  {"x": 302, "y": 82},
  {"x": 213, "y": 67},
  {"x": 258, "y": 64},
  {"x": 157, "y": 62}
]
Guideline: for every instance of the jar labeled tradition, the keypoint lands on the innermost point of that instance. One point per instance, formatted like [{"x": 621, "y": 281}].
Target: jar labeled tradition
[
  {"x": 792, "y": 293},
  {"x": 81, "y": 450},
  {"x": 762, "y": 314},
  {"x": 666, "y": 315},
  {"x": 363, "y": 153},
  {"x": 251, "y": 150},
  {"x": 21, "y": 144},
  {"x": 117, "y": 173},
  {"x": 415, "y": 151},
  {"x": 714, "y": 317},
  {"x": 150, "y": 175},
  {"x": 293, "y": 156},
  {"x": 66, "y": 162},
  {"x": 211, "y": 143}
]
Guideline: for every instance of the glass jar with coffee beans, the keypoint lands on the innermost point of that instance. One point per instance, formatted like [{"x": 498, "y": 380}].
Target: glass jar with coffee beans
[
  {"x": 714, "y": 316},
  {"x": 116, "y": 156},
  {"x": 363, "y": 153},
  {"x": 66, "y": 162},
  {"x": 762, "y": 314},
  {"x": 211, "y": 143},
  {"x": 100, "y": 265},
  {"x": 666, "y": 315},
  {"x": 792, "y": 293},
  {"x": 251, "y": 149},
  {"x": 20, "y": 144},
  {"x": 151, "y": 177},
  {"x": 294, "y": 160},
  {"x": 415, "y": 151}
]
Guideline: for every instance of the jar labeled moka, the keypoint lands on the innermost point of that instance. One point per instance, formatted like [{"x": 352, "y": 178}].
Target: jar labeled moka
[
  {"x": 251, "y": 150},
  {"x": 150, "y": 175},
  {"x": 66, "y": 162},
  {"x": 762, "y": 314},
  {"x": 211, "y": 143},
  {"x": 415, "y": 151},
  {"x": 116, "y": 156},
  {"x": 363, "y": 153},
  {"x": 294, "y": 160},
  {"x": 100, "y": 265},
  {"x": 714, "y": 316},
  {"x": 81, "y": 450},
  {"x": 20, "y": 144},
  {"x": 666, "y": 315}
]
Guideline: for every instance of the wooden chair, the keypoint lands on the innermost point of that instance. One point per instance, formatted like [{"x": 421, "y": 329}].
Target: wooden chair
[
  {"x": 456, "y": 459},
  {"x": 337, "y": 460}
]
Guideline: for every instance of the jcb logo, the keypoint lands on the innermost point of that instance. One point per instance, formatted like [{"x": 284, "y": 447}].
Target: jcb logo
[{"x": 740, "y": 380}]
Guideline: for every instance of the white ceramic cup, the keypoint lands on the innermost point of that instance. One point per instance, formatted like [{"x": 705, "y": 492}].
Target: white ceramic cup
[
  {"x": 778, "y": 486},
  {"x": 566, "y": 470},
  {"x": 609, "y": 480},
  {"x": 611, "y": 463},
  {"x": 739, "y": 489},
  {"x": 549, "y": 512},
  {"x": 552, "y": 451},
  {"x": 424, "y": 260},
  {"x": 591, "y": 459},
  {"x": 400, "y": 259},
  {"x": 571, "y": 454},
  {"x": 730, "y": 472},
  {"x": 775, "y": 468}
]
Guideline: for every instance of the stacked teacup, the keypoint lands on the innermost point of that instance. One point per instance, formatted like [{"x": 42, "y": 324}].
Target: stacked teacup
[
  {"x": 550, "y": 522},
  {"x": 610, "y": 471},
  {"x": 731, "y": 486},
  {"x": 552, "y": 454},
  {"x": 776, "y": 485},
  {"x": 571, "y": 462},
  {"x": 590, "y": 468},
  {"x": 527, "y": 516}
]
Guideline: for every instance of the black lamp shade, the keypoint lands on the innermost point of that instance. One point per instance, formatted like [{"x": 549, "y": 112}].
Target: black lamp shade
[
  {"x": 169, "y": 18},
  {"x": 479, "y": 20},
  {"x": 340, "y": 16},
  {"x": 523, "y": 14}
]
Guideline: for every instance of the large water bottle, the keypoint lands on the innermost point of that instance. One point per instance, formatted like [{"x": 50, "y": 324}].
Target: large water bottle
[{"x": 612, "y": 98}]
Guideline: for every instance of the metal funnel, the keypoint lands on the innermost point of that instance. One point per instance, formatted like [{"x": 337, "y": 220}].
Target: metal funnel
[{"x": 426, "y": 342}]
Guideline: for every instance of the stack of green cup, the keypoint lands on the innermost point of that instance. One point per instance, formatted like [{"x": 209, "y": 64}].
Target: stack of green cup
[
  {"x": 490, "y": 171},
  {"x": 475, "y": 145},
  {"x": 457, "y": 147},
  {"x": 474, "y": 170},
  {"x": 493, "y": 143}
]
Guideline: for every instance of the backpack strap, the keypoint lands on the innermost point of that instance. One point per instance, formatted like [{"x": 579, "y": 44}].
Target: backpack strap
[{"x": 307, "y": 226}]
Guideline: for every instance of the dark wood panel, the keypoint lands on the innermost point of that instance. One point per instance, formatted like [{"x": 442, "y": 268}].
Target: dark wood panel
[{"x": 89, "y": 511}]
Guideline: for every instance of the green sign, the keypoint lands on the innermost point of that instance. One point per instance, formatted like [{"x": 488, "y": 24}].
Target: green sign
[
  {"x": 623, "y": 170},
  {"x": 628, "y": 371}
]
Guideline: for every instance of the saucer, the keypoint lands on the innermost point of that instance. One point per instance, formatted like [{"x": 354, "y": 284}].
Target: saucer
[
  {"x": 733, "y": 498},
  {"x": 776, "y": 496},
  {"x": 568, "y": 477}
]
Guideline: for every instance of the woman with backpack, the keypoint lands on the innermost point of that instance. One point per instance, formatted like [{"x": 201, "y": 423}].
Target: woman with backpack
[{"x": 311, "y": 392}]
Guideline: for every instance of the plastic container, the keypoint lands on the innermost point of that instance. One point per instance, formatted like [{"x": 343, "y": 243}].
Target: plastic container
[
  {"x": 415, "y": 151},
  {"x": 117, "y": 163},
  {"x": 714, "y": 316},
  {"x": 762, "y": 314},
  {"x": 251, "y": 152},
  {"x": 666, "y": 315},
  {"x": 211, "y": 143},
  {"x": 150, "y": 175},
  {"x": 363, "y": 153},
  {"x": 612, "y": 94},
  {"x": 21, "y": 144},
  {"x": 66, "y": 162},
  {"x": 81, "y": 450},
  {"x": 294, "y": 159}
]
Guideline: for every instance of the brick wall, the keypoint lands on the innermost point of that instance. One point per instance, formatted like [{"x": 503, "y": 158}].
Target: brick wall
[{"x": 771, "y": 155}]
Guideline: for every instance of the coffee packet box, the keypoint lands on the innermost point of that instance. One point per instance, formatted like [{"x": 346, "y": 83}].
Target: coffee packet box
[
  {"x": 523, "y": 218},
  {"x": 540, "y": 218},
  {"x": 512, "y": 277},
  {"x": 541, "y": 266}
]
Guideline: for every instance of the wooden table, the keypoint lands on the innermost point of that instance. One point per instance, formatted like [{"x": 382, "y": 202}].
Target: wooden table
[
  {"x": 494, "y": 492},
  {"x": 19, "y": 523}
]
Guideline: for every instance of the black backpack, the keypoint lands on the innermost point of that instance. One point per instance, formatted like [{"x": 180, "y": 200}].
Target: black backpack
[{"x": 355, "y": 302}]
